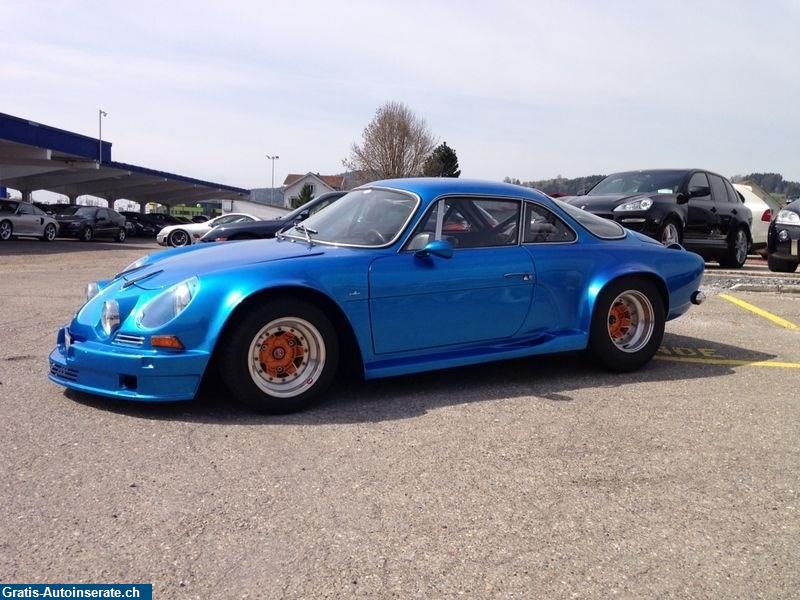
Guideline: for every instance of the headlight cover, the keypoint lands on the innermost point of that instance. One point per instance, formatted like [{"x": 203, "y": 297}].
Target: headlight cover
[
  {"x": 92, "y": 289},
  {"x": 168, "y": 304},
  {"x": 642, "y": 204},
  {"x": 109, "y": 318},
  {"x": 788, "y": 217}
]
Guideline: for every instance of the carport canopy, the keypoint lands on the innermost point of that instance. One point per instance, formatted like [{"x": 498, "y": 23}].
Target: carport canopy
[{"x": 39, "y": 157}]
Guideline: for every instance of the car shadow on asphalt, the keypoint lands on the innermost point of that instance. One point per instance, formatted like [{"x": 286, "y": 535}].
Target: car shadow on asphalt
[
  {"x": 31, "y": 246},
  {"x": 541, "y": 379}
]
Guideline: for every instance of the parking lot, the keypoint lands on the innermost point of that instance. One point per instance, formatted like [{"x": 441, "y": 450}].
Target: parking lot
[{"x": 537, "y": 477}]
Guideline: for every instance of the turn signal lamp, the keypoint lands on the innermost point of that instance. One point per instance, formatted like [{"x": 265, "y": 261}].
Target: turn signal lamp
[{"x": 171, "y": 342}]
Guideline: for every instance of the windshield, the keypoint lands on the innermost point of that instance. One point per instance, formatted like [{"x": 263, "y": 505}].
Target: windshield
[
  {"x": 602, "y": 228},
  {"x": 366, "y": 217},
  {"x": 636, "y": 182},
  {"x": 8, "y": 207}
]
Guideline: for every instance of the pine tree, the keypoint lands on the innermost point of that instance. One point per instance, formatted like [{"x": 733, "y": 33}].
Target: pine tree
[
  {"x": 443, "y": 162},
  {"x": 306, "y": 195}
]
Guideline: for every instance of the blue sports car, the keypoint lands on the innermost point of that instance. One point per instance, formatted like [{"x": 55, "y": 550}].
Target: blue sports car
[{"x": 398, "y": 276}]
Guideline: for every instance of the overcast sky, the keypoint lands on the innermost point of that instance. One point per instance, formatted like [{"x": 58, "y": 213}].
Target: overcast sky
[{"x": 525, "y": 89}]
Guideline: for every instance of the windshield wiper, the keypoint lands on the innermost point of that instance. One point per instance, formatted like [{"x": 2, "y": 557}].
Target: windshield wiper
[{"x": 307, "y": 230}]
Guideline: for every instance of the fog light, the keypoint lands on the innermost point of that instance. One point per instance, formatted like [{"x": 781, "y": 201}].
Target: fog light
[
  {"x": 783, "y": 235},
  {"x": 110, "y": 317}
]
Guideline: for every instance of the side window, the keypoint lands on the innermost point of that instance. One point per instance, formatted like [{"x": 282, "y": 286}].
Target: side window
[
  {"x": 732, "y": 195},
  {"x": 102, "y": 214},
  {"x": 25, "y": 209},
  {"x": 718, "y": 191},
  {"x": 542, "y": 226},
  {"x": 319, "y": 207},
  {"x": 469, "y": 223},
  {"x": 38, "y": 211},
  {"x": 698, "y": 180}
]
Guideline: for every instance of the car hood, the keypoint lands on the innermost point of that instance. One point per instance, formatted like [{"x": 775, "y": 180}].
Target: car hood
[
  {"x": 172, "y": 266},
  {"x": 606, "y": 202}
]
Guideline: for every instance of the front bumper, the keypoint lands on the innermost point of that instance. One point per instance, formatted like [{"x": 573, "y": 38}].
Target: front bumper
[
  {"x": 788, "y": 249},
  {"x": 161, "y": 239},
  {"x": 126, "y": 373}
]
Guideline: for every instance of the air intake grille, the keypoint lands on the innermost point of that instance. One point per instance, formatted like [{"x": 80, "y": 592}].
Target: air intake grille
[
  {"x": 63, "y": 372},
  {"x": 125, "y": 339}
]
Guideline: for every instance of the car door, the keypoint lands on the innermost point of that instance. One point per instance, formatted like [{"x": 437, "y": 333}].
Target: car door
[
  {"x": 482, "y": 293},
  {"x": 719, "y": 195},
  {"x": 103, "y": 224},
  {"x": 40, "y": 219},
  {"x": 702, "y": 224},
  {"x": 25, "y": 220},
  {"x": 729, "y": 212}
]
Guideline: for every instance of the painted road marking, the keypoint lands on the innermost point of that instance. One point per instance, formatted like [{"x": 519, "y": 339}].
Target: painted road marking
[
  {"x": 760, "y": 312},
  {"x": 731, "y": 362}
]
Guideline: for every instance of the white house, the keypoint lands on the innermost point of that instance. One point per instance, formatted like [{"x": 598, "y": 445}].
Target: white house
[{"x": 320, "y": 184}]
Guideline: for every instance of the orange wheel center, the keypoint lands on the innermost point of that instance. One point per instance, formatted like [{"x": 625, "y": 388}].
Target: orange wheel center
[
  {"x": 281, "y": 354},
  {"x": 619, "y": 320}
]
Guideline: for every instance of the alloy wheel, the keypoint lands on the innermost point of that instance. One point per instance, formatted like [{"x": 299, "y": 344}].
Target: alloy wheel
[
  {"x": 286, "y": 357},
  {"x": 670, "y": 234},
  {"x": 631, "y": 320},
  {"x": 50, "y": 232},
  {"x": 5, "y": 231},
  {"x": 740, "y": 244}
]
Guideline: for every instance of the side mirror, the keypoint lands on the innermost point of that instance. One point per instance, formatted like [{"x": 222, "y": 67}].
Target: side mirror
[
  {"x": 303, "y": 216},
  {"x": 440, "y": 248},
  {"x": 699, "y": 192}
]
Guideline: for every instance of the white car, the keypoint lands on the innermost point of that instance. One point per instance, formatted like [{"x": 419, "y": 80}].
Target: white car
[
  {"x": 763, "y": 206},
  {"x": 183, "y": 235}
]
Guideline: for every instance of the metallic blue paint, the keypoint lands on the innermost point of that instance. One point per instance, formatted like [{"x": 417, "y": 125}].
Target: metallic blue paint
[{"x": 407, "y": 313}]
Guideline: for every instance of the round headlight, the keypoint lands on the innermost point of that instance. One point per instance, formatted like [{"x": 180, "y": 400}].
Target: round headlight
[
  {"x": 168, "y": 304},
  {"x": 110, "y": 316},
  {"x": 788, "y": 217},
  {"x": 92, "y": 289},
  {"x": 645, "y": 203}
]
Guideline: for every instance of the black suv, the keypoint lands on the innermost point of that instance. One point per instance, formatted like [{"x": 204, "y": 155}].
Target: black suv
[
  {"x": 89, "y": 222},
  {"x": 696, "y": 208}
]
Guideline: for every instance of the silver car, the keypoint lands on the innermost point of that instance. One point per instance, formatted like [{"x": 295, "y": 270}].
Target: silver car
[{"x": 24, "y": 219}]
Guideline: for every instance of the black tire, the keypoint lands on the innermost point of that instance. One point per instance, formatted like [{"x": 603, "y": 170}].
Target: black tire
[
  {"x": 50, "y": 232},
  {"x": 237, "y": 364},
  {"x": 121, "y": 235},
  {"x": 6, "y": 230},
  {"x": 663, "y": 230},
  {"x": 733, "y": 257},
  {"x": 87, "y": 235},
  {"x": 179, "y": 238},
  {"x": 602, "y": 346},
  {"x": 781, "y": 265}
]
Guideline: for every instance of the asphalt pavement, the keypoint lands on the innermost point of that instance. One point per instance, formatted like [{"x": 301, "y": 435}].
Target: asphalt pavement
[{"x": 544, "y": 477}]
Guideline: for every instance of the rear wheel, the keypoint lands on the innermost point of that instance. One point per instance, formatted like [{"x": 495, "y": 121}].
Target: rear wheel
[
  {"x": 121, "y": 235},
  {"x": 627, "y": 325},
  {"x": 670, "y": 232},
  {"x": 87, "y": 234},
  {"x": 49, "y": 233},
  {"x": 280, "y": 356},
  {"x": 781, "y": 265},
  {"x": 738, "y": 245},
  {"x": 6, "y": 231},
  {"x": 178, "y": 238}
]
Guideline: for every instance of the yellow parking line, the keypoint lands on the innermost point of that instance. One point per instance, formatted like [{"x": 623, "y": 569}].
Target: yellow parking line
[
  {"x": 730, "y": 362},
  {"x": 760, "y": 312}
]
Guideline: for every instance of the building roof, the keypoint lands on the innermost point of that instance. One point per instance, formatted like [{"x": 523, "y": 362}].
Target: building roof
[
  {"x": 39, "y": 157},
  {"x": 334, "y": 181}
]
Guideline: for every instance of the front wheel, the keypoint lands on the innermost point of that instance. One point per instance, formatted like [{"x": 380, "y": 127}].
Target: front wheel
[
  {"x": 736, "y": 255},
  {"x": 49, "y": 233},
  {"x": 6, "y": 231},
  {"x": 121, "y": 235},
  {"x": 781, "y": 265},
  {"x": 87, "y": 234},
  {"x": 627, "y": 325},
  {"x": 280, "y": 356},
  {"x": 670, "y": 233}
]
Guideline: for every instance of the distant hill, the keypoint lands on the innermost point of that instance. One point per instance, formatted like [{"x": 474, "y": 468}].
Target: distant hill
[
  {"x": 560, "y": 185},
  {"x": 772, "y": 183}
]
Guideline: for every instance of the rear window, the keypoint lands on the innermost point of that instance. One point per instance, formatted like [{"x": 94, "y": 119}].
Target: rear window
[{"x": 602, "y": 228}]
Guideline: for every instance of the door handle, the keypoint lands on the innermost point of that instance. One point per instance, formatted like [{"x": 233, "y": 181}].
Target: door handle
[
  {"x": 523, "y": 276},
  {"x": 713, "y": 209},
  {"x": 734, "y": 211}
]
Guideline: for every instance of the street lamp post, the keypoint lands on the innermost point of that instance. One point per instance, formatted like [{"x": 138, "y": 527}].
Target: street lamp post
[
  {"x": 100, "y": 114},
  {"x": 272, "y": 189}
]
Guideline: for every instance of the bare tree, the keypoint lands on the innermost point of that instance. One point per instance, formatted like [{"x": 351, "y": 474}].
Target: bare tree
[{"x": 396, "y": 143}]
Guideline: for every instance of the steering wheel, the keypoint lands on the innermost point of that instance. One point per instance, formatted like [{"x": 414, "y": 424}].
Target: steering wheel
[{"x": 374, "y": 234}]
